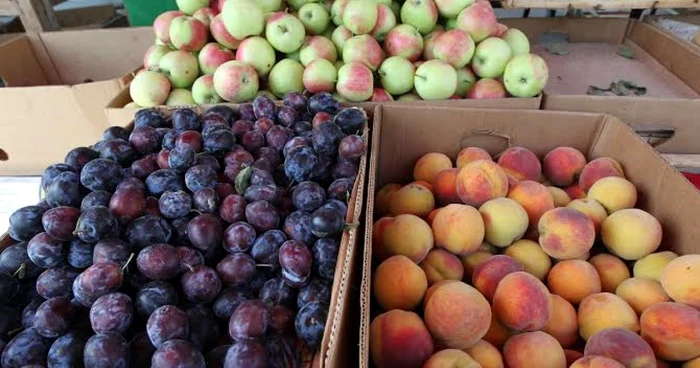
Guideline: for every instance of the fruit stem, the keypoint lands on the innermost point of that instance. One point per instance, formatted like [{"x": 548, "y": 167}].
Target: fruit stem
[
  {"x": 264, "y": 265},
  {"x": 20, "y": 271},
  {"x": 126, "y": 264},
  {"x": 189, "y": 268},
  {"x": 420, "y": 76}
]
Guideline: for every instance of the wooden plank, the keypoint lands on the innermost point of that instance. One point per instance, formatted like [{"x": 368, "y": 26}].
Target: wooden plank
[
  {"x": 37, "y": 15},
  {"x": 600, "y": 4},
  {"x": 7, "y": 8}
]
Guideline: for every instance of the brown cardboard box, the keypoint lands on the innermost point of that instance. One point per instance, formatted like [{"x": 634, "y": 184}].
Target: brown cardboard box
[
  {"x": 57, "y": 85},
  {"x": 665, "y": 65},
  {"x": 402, "y": 135}
]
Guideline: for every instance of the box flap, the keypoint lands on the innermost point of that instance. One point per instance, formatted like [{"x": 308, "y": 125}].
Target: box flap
[
  {"x": 91, "y": 97},
  {"x": 18, "y": 65}
]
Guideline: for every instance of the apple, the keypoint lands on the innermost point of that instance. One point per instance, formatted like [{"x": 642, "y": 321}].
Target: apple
[
  {"x": 293, "y": 55},
  {"x": 236, "y": 81},
  {"x": 258, "y": 53},
  {"x": 380, "y": 95},
  {"x": 205, "y": 15},
  {"x": 454, "y": 47},
  {"x": 314, "y": 17},
  {"x": 132, "y": 105},
  {"x": 221, "y": 34},
  {"x": 317, "y": 47},
  {"x": 409, "y": 97},
  {"x": 451, "y": 23},
  {"x": 364, "y": 49},
  {"x": 435, "y": 80},
  {"x": 339, "y": 37},
  {"x": 203, "y": 91},
  {"x": 217, "y": 5},
  {"x": 386, "y": 20},
  {"x": 338, "y": 64},
  {"x": 499, "y": 30},
  {"x": 285, "y": 77},
  {"x": 337, "y": 10},
  {"x": 180, "y": 97},
  {"x": 188, "y": 34},
  {"x": 355, "y": 82},
  {"x": 181, "y": 68},
  {"x": 478, "y": 19},
  {"x": 429, "y": 42},
  {"x": 149, "y": 88},
  {"x": 269, "y": 6},
  {"x": 517, "y": 41},
  {"x": 212, "y": 55},
  {"x": 451, "y": 8},
  {"x": 490, "y": 57},
  {"x": 297, "y": 4},
  {"x": 284, "y": 32},
  {"x": 153, "y": 56},
  {"x": 189, "y": 7},
  {"x": 396, "y": 75},
  {"x": 320, "y": 76},
  {"x": 418, "y": 63},
  {"x": 360, "y": 16},
  {"x": 526, "y": 75},
  {"x": 161, "y": 25},
  {"x": 465, "y": 81},
  {"x": 328, "y": 33},
  {"x": 486, "y": 88},
  {"x": 243, "y": 18},
  {"x": 396, "y": 8},
  {"x": 339, "y": 98},
  {"x": 405, "y": 41},
  {"x": 422, "y": 14}
]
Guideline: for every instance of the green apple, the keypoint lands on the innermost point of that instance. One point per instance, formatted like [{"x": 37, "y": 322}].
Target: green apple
[
  {"x": 337, "y": 10},
  {"x": 384, "y": 2},
  {"x": 314, "y": 17},
  {"x": 451, "y": 23},
  {"x": 203, "y": 91},
  {"x": 317, "y": 47},
  {"x": 153, "y": 56},
  {"x": 269, "y": 6},
  {"x": 339, "y": 98},
  {"x": 328, "y": 33},
  {"x": 338, "y": 64},
  {"x": 364, "y": 49},
  {"x": 409, "y": 97},
  {"x": 285, "y": 77},
  {"x": 422, "y": 14},
  {"x": 360, "y": 16},
  {"x": 386, "y": 20},
  {"x": 339, "y": 37},
  {"x": 451, "y": 8},
  {"x": 284, "y": 32},
  {"x": 257, "y": 52},
  {"x": 526, "y": 75},
  {"x": 180, "y": 97},
  {"x": 243, "y": 18},
  {"x": 293, "y": 55},
  {"x": 181, "y": 68},
  {"x": 396, "y": 9},
  {"x": 189, "y": 7},
  {"x": 355, "y": 82},
  {"x": 149, "y": 88},
  {"x": 490, "y": 57},
  {"x": 236, "y": 81},
  {"x": 465, "y": 81},
  {"x": 320, "y": 76},
  {"x": 396, "y": 75},
  {"x": 517, "y": 41},
  {"x": 435, "y": 80},
  {"x": 297, "y": 4}
]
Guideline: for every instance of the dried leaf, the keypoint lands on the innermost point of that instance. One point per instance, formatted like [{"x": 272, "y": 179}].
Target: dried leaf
[
  {"x": 596, "y": 91},
  {"x": 557, "y": 49},
  {"x": 553, "y": 37},
  {"x": 626, "y": 52}
]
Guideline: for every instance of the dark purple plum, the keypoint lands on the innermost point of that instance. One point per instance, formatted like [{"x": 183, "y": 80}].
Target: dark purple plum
[
  {"x": 118, "y": 150},
  {"x": 268, "y": 193},
  {"x": 263, "y": 125},
  {"x": 345, "y": 169},
  {"x": 15, "y": 261},
  {"x": 249, "y": 321},
  {"x": 322, "y": 170},
  {"x": 262, "y": 176},
  {"x": 325, "y": 255},
  {"x": 340, "y": 189},
  {"x": 159, "y": 262},
  {"x": 340, "y": 206},
  {"x": 223, "y": 111},
  {"x": 112, "y": 312},
  {"x": 252, "y": 140},
  {"x": 204, "y": 328},
  {"x": 352, "y": 147},
  {"x": 127, "y": 204},
  {"x": 29, "y": 312},
  {"x": 169, "y": 139},
  {"x": 175, "y": 204},
  {"x": 26, "y": 222},
  {"x": 179, "y": 231},
  {"x": 317, "y": 290},
  {"x": 141, "y": 350},
  {"x": 351, "y": 119},
  {"x": 320, "y": 118},
  {"x": 145, "y": 140},
  {"x": 106, "y": 350},
  {"x": 154, "y": 295},
  {"x": 238, "y": 155},
  {"x": 263, "y": 107},
  {"x": 233, "y": 208},
  {"x": 60, "y": 222},
  {"x": 227, "y": 301},
  {"x": 282, "y": 351},
  {"x": 97, "y": 280},
  {"x": 308, "y": 196},
  {"x": 326, "y": 138},
  {"x": 53, "y": 318},
  {"x": 286, "y": 206},
  {"x": 277, "y": 292},
  {"x": 323, "y": 101},
  {"x": 26, "y": 348},
  {"x": 268, "y": 154},
  {"x": 259, "y": 279},
  {"x": 278, "y": 136},
  {"x": 181, "y": 158},
  {"x": 51, "y": 172},
  {"x": 201, "y": 284},
  {"x": 295, "y": 100},
  {"x": 95, "y": 224},
  {"x": 327, "y": 221},
  {"x": 205, "y": 231},
  {"x": 9, "y": 286},
  {"x": 246, "y": 353},
  {"x": 189, "y": 139},
  {"x": 206, "y": 159},
  {"x": 79, "y": 254},
  {"x": 149, "y": 117},
  {"x": 206, "y": 200},
  {"x": 96, "y": 198},
  {"x": 79, "y": 156},
  {"x": 167, "y": 323},
  {"x": 162, "y": 159},
  {"x": 236, "y": 269},
  {"x": 147, "y": 230},
  {"x": 216, "y": 357},
  {"x": 189, "y": 257},
  {"x": 301, "y": 127},
  {"x": 219, "y": 142},
  {"x": 45, "y": 251},
  {"x": 262, "y": 215},
  {"x": 241, "y": 126},
  {"x": 67, "y": 351},
  {"x": 295, "y": 142},
  {"x": 282, "y": 319},
  {"x": 214, "y": 119},
  {"x": 186, "y": 119},
  {"x": 266, "y": 247},
  {"x": 64, "y": 190},
  {"x": 101, "y": 174},
  {"x": 310, "y": 323},
  {"x": 116, "y": 132},
  {"x": 287, "y": 116},
  {"x": 56, "y": 282},
  {"x": 300, "y": 163},
  {"x": 199, "y": 177},
  {"x": 131, "y": 182},
  {"x": 297, "y": 226},
  {"x": 214, "y": 127},
  {"x": 111, "y": 250},
  {"x": 295, "y": 261},
  {"x": 164, "y": 180},
  {"x": 177, "y": 353}
]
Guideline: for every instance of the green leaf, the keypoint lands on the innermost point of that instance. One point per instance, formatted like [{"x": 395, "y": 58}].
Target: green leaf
[
  {"x": 625, "y": 52},
  {"x": 242, "y": 181},
  {"x": 557, "y": 49}
]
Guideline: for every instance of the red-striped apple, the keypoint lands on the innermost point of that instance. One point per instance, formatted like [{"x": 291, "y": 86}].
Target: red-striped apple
[
  {"x": 221, "y": 35},
  {"x": 478, "y": 20},
  {"x": 380, "y": 95},
  {"x": 355, "y": 82},
  {"x": 153, "y": 56},
  {"x": 203, "y": 91},
  {"x": 205, "y": 15},
  {"x": 188, "y": 34},
  {"x": 340, "y": 35},
  {"x": 364, "y": 49},
  {"x": 526, "y": 75},
  {"x": 360, "y": 16},
  {"x": 285, "y": 77},
  {"x": 257, "y": 52},
  {"x": 149, "y": 88},
  {"x": 161, "y": 25},
  {"x": 317, "y": 47},
  {"x": 320, "y": 76},
  {"x": 422, "y": 14},
  {"x": 454, "y": 47},
  {"x": 490, "y": 57},
  {"x": 236, "y": 81},
  {"x": 386, "y": 20},
  {"x": 435, "y": 80},
  {"x": 486, "y": 88},
  {"x": 181, "y": 68},
  {"x": 429, "y": 42},
  {"x": 337, "y": 10},
  {"x": 212, "y": 55},
  {"x": 405, "y": 41}
]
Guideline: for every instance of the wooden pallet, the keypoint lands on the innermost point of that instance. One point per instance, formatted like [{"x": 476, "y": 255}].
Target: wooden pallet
[
  {"x": 36, "y": 15},
  {"x": 600, "y": 4}
]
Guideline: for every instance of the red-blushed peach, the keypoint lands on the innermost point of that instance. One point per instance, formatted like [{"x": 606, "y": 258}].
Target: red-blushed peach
[
  {"x": 601, "y": 311},
  {"x": 611, "y": 269},
  {"x": 621, "y": 345},
  {"x": 431, "y": 216},
  {"x": 522, "y": 302},
  {"x": 681, "y": 279},
  {"x": 471, "y": 154},
  {"x": 572, "y": 356},
  {"x": 489, "y": 273},
  {"x": 693, "y": 363},
  {"x": 457, "y": 315},
  {"x": 399, "y": 339},
  {"x": 598, "y": 169},
  {"x": 472, "y": 261},
  {"x": 445, "y": 187},
  {"x": 459, "y": 229},
  {"x": 485, "y": 354},
  {"x": 451, "y": 358},
  {"x": 640, "y": 294},
  {"x": 563, "y": 165},
  {"x": 429, "y": 165},
  {"x": 651, "y": 266},
  {"x": 594, "y": 361},
  {"x": 573, "y": 280},
  {"x": 533, "y": 349},
  {"x": 535, "y": 199},
  {"x": 481, "y": 180},
  {"x": 434, "y": 287},
  {"x": 591, "y": 208},
  {"x": 672, "y": 330},
  {"x": 498, "y": 334},
  {"x": 614, "y": 193},
  {"x": 631, "y": 234},
  {"x": 560, "y": 197},
  {"x": 413, "y": 199},
  {"x": 407, "y": 235},
  {"x": 379, "y": 251},
  {"x": 574, "y": 191},
  {"x": 534, "y": 260},
  {"x": 563, "y": 324},
  {"x": 442, "y": 265},
  {"x": 521, "y": 163},
  {"x": 399, "y": 284},
  {"x": 383, "y": 197},
  {"x": 424, "y": 184},
  {"x": 566, "y": 233},
  {"x": 505, "y": 221}
]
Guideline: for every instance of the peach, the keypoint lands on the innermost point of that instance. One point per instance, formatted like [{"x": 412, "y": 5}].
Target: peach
[
  {"x": 640, "y": 294},
  {"x": 563, "y": 165},
  {"x": 566, "y": 233},
  {"x": 521, "y": 163},
  {"x": 622, "y": 345},
  {"x": 681, "y": 279},
  {"x": 472, "y": 261},
  {"x": 470, "y": 154},
  {"x": 563, "y": 324},
  {"x": 485, "y": 354},
  {"x": 601, "y": 311},
  {"x": 424, "y": 184},
  {"x": 594, "y": 361},
  {"x": 522, "y": 302},
  {"x": 572, "y": 356},
  {"x": 451, "y": 358},
  {"x": 431, "y": 216},
  {"x": 561, "y": 198},
  {"x": 631, "y": 234},
  {"x": 651, "y": 266},
  {"x": 533, "y": 349},
  {"x": 407, "y": 235},
  {"x": 414, "y": 199},
  {"x": 442, "y": 265},
  {"x": 383, "y": 197},
  {"x": 459, "y": 229},
  {"x": 535, "y": 199},
  {"x": 574, "y": 191},
  {"x": 481, "y": 180},
  {"x": 399, "y": 284},
  {"x": 614, "y": 193},
  {"x": 489, "y": 273},
  {"x": 399, "y": 339},
  {"x": 573, "y": 280},
  {"x": 498, "y": 334},
  {"x": 529, "y": 254},
  {"x": 457, "y": 315},
  {"x": 505, "y": 221},
  {"x": 598, "y": 169},
  {"x": 429, "y": 165},
  {"x": 445, "y": 187},
  {"x": 591, "y": 208},
  {"x": 379, "y": 251},
  {"x": 662, "y": 364},
  {"x": 672, "y": 330},
  {"x": 693, "y": 363},
  {"x": 434, "y": 287},
  {"x": 612, "y": 271}
]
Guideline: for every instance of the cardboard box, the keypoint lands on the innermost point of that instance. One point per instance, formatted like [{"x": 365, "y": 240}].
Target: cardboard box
[
  {"x": 663, "y": 64},
  {"x": 402, "y": 135},
  {"x": 57, "y": 84}
]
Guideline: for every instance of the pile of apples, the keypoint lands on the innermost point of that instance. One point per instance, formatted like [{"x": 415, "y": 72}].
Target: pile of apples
[{"x": 210, "y": 51}]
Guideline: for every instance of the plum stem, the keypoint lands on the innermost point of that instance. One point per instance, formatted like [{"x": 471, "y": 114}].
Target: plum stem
[
  {"x": 264, "y": 265},
  {"x": 189, "y": 268},
  {"x": 126, "y": 264},
  {"x": 20, "y": 271}
]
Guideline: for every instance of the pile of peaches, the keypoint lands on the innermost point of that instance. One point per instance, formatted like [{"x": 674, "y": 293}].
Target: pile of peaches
[{"x": 526, "y": 263}]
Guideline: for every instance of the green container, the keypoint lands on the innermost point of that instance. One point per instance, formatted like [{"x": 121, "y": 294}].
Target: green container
[{"x": 144, "y": 12}]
